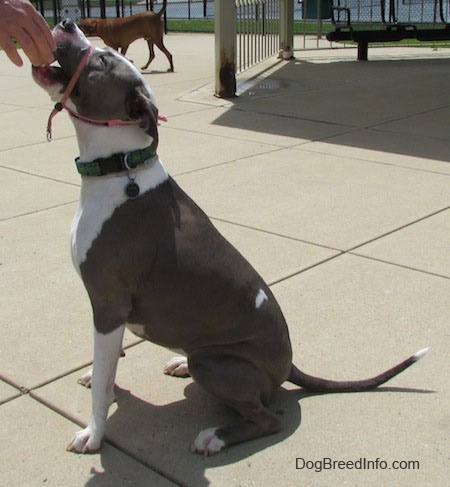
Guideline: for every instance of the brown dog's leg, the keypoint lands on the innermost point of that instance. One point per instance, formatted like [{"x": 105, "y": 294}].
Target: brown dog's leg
[
  {"x": 151, "y": 54},
  {"x": 124, "y": 49},
  {"x": 162, "y": 47}
]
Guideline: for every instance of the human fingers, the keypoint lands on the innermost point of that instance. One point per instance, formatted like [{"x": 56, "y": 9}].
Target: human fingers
[
  {"x": 10, "y": 49},
  {"x": 36, "y": 40},
  {"x": 29, "y": 47},
  {"x": 43, "y": 38}
]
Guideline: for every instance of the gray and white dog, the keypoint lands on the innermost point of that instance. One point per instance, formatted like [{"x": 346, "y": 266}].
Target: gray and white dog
[{"x": 152, "y": 261}]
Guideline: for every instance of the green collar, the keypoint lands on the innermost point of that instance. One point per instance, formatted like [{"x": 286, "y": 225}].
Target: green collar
[{"x": 115, "y": 163}]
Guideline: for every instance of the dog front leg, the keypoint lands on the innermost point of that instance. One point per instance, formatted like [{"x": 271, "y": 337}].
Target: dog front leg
[{"x": 107, "y": 350}]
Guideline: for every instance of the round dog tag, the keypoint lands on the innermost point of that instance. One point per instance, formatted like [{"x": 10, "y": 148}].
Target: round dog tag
[{"x": 132, "y": 190}]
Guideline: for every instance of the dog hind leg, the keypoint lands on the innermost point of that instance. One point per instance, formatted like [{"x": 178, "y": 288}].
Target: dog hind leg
[
  {"x": 163, "y": 48},
  {"x": 244, "y": 388}
]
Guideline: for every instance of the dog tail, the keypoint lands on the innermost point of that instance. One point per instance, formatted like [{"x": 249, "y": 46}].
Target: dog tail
[
  {"x": 163, "y": 8},
  {"x": 316, "y": 384}
]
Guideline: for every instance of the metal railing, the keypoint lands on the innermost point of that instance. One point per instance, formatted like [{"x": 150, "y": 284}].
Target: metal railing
[
  {"x": 430, "y": 12},
  {"x": 57, "y": 10},
  {"x": 258, "y": 31}
]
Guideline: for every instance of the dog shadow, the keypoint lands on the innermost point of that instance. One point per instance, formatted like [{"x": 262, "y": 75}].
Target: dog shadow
[
  {"x": 160, "y": 436},
  {"x": 154, "y": 71},
  {"x": 149, "y": 70}
]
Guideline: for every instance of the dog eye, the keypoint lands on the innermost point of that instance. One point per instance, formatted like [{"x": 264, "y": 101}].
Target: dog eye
[{"x": 103, "y": 60}]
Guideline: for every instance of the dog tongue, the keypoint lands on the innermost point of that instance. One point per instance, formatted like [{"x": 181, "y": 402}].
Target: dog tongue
[{"x": 162, "y": 118}]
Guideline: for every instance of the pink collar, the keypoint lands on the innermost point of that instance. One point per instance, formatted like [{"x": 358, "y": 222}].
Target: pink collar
[{"x": 62, "y": 103}]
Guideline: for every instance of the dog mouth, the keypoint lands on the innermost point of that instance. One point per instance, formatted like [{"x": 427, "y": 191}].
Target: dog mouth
[
  {"x": 71, "y": 46},
  {"x": 48, "y": 75}
]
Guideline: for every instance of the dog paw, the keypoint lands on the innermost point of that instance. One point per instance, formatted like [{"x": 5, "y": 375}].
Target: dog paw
[
  {"x": 177, "y": 367},
  {"x": 207, "y": 443},
  {"x": 86, "y": 379},
  {"x": 85, "y": 441}
]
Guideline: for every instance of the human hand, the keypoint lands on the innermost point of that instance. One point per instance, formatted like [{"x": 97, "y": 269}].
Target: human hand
[{"x": 20, "y": 21}]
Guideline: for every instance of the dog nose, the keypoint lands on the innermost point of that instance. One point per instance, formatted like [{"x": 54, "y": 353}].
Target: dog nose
[{"x": 68, "y": 25}]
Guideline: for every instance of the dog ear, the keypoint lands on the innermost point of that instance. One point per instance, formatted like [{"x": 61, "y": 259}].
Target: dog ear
[{"x": 141, "y": 110}]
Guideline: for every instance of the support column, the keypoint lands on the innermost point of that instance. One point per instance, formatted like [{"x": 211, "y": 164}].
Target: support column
[
  {"x": 225, "y": 44},
  {"x": 287, "y": 28}
]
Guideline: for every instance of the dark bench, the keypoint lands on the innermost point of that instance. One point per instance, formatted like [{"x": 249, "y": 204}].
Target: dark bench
[{"x": 385, "y": 28}]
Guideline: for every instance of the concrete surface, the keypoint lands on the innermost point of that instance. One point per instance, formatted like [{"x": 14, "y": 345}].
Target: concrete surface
[{"x": 332, "y": 177}]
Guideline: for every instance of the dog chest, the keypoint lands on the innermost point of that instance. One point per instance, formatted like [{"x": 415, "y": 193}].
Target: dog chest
[{"x": 100, "y": 197}]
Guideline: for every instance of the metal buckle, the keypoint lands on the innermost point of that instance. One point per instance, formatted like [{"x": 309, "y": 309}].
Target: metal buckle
[{"x": 126, "y": 162}]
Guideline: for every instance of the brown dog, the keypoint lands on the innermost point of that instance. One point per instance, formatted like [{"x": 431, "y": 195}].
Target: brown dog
[{"x": 119, "y": 33}]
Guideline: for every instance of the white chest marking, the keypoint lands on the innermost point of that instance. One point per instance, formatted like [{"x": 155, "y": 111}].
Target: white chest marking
[
  {"x": 100, "y": 196},
  {"x": 260, "y": 298}
]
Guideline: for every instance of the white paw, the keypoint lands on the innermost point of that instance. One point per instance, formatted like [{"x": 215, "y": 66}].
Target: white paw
[
  {"x": 177, "y": 367},
  {"x": 207, "y": 443},
  {"x": 85, "y": 441},
  {"x": 86, "y": 379}
]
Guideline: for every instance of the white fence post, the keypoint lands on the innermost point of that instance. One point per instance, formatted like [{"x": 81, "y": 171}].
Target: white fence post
[
  {"x": 287, "y": 28},
  {"x": 225, "y": 41}
]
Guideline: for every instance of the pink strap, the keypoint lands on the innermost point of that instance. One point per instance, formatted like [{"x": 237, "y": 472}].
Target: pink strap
[
  {"x": 59, "y": 106},
  {"x": 77, "y": 74},
  {"x": 62, "y": 104}
]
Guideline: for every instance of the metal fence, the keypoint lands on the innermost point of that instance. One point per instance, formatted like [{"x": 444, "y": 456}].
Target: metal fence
[
  {"x": 364, "y": 11},
  {"x": 428, "y": 12},
  {"x": 191, "y": 9},
  {"x": 77, "y": 9},
  {"x": 258, "y": 31}
]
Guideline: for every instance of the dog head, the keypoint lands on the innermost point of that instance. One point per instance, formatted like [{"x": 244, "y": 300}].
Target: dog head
[
  {"x": 108, "y": 88},
  {"x": 89, "y": 26}
]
